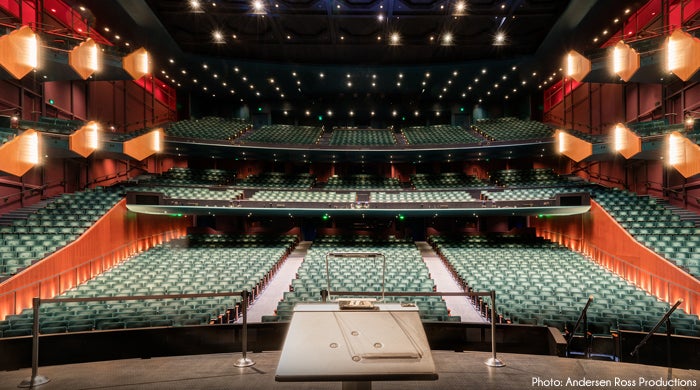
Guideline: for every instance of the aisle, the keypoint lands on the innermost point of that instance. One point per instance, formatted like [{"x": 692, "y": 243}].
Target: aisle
[
  {"x": 266, "y": 304},
  {"x": 458, "y": 306}
]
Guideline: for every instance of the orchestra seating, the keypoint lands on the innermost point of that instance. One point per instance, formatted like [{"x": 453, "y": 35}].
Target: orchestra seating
[
  {"x": 362, "y": 182},
  {"x": 439, "y": 134},
  {"x": 196, "y": 264},
  {"x": 304, "y": 196},
  {"x": 405, "y": 271},
  {"x": 362, "y": 137},
  {"x": 56, "y": 222},
  {"x": 284, "y": 134},
  {"x": 213, "y": 128},
  {"x": 277, "y": 180},
  {"x": 424, "y": 181},
  {"x": 539, "y": 282},
  {"x": 511, "y": 129}
]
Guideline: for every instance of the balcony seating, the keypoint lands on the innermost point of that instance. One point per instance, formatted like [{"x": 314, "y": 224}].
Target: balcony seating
[{"x": 285, "y": 134}]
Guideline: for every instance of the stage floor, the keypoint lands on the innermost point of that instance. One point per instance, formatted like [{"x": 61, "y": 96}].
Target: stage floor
[{"x": 457, "y": 370}]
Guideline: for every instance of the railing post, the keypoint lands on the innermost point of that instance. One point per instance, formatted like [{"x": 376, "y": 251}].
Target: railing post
[
  {"x": 324, "y": 295},
  {"x": 493, "y": 361},
  {"x": 244, "y": 361},
  {"x": 35, "y": 379}
]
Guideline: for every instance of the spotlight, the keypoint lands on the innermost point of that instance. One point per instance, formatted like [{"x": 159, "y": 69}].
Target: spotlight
[{"x": 499, "y": 38}]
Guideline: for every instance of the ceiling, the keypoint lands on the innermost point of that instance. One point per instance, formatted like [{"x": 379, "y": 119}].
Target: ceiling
[{"x": 292, "y": 52}]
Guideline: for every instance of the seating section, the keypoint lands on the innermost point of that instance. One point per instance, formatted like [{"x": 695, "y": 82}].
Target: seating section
[
  {"x": 512, "y": 129},
  {"x": 539, "y": 282},
  {"x": 192, "y": 193},
  {"x": 590, "y": 138},
  {"x": 51, "y": 227},
  {"x": 304, "y": 196},
  {"x": 362, "y": 137},
  {"x": 6, "y": 135},
  {"x": 285, "y": 134},
  {"x": 658, "y": 127},
  {"x": 213, "y": 128},
  {"x": 277, "y": 180},
  {"x": 362, "y": 182},
  {"x": 197, "y": 264},
  {"x": 52, "y": 125},
  {"x": 655, "y": 226},
  {"x": 405, "y": 271},
  {"x": 421, "y": 196},
  {"x": 424, "y": 181},
  {"x": 439, "y": 134},
  {"x": 188, "y": 176},
  {"x": 528, "y": 194},
  {"x": 528, "y": 178}
]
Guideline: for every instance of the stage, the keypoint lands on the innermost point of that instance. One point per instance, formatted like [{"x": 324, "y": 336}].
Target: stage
[{"x": 456, "y": 370}]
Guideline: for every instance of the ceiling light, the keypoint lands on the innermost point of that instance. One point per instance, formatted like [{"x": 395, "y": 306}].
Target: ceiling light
[
  {"x": 395, "y": 38},
  {"x": 194, "y": 4},
  {"x": 627, "y": 11},
  {"x": 258, "y": 7},
  {"x": 321, "y": 75},
  {"x": 380, "y": 17},
  {"x": 460, "y": 7},
  {"x": 499, "y": 38},
  {"x": 447, "y": 39},
  {"x": 218, "y": 37}
]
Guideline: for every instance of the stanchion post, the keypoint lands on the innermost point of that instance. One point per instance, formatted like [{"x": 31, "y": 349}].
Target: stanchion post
[
  {"x": 493, "y": 361},
  {"x": 244, "y": 361},
  {"x": 35, "y": 379},
  {"x": 324, "y": 295}
]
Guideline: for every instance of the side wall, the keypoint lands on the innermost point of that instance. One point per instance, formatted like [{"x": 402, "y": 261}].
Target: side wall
[
  {"x": 118, "y": 235},
  {"x": 598, "y": 235}
]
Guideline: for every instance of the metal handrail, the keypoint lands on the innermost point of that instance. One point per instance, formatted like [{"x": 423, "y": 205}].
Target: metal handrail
[
  {"x": 666, "y": 318},
  {"x": 493, "y": 361},
  {"x": 581, "y": 318},
  {"x": 36, "y": 379}
]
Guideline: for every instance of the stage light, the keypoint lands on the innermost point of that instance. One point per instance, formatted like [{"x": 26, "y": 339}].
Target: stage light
[
  {"x": 577, "y": 66},
  {"x": 625, "y": 60},
  {"x": 85, "y": 58},
  {"x": 137, "y": 64},
  {"x": 19, "y": 52},
  {"x": 620, "y": 137},
  {"x": 682, "y": 54}
]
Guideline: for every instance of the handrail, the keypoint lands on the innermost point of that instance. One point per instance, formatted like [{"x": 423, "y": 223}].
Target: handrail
[
  {"x": 581, "y": 318},
  {"x": 36, "y": 380},
  {"x": 666, "y": 318},
  {"x": 493, "y": 361}
]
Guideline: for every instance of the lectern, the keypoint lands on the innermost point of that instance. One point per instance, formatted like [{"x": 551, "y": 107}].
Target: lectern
[{"x": 355, "y": 344}]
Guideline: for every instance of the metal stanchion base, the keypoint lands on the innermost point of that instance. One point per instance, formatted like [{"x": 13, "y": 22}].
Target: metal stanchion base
[
  {"x": 244, "y": 362},
  {"x": 38, "y": 381},
  {"x": 494, "y": 362}
]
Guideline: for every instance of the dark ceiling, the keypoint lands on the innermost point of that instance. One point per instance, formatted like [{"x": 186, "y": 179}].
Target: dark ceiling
[
  {"x": 296, "y": 51},
  {"x": 359, "y": 31}
]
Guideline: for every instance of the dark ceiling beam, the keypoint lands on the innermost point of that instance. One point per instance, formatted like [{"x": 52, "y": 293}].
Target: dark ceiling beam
[
  {"x": 331, "y": 25},
  {"x": 276, "y": 30}
]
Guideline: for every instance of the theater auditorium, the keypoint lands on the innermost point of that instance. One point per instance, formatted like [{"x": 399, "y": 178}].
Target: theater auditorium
[{"x": 355, "y": 194}]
